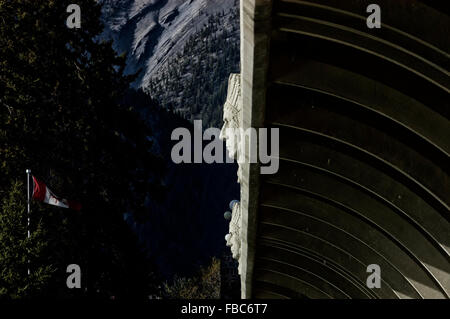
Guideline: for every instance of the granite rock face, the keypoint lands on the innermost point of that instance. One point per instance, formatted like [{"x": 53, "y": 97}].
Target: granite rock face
[{"x": 152, "y": 31}]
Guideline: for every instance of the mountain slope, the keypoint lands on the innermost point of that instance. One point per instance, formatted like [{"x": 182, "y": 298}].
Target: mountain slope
[
  {"x": 152, "y": 31},
  {"x": 199, "y": 39},
  {"x": 194, "y": 82}
]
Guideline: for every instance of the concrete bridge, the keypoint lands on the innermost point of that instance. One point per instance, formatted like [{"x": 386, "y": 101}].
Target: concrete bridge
[{"x": 363, "y": 116}]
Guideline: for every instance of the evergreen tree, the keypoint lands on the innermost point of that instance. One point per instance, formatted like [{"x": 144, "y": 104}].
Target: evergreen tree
[
  {"x": 205, "y": 285},
  {"x": 61, "y": 116},
  {"x": 17, "y": 252}
]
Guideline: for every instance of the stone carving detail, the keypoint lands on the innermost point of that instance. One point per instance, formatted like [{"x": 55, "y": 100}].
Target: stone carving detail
[
  {"x": 232, "y": 110},
  {"x": 232, "y": 123},
  {"x": 233, "y": 238}
]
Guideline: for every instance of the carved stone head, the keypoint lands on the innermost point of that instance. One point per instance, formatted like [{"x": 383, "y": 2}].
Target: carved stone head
[
  {"x": 232, "y": 115},
  {"x": 233, "y": 238}
]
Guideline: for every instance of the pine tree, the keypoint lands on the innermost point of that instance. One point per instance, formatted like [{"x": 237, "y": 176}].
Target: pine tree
[
  {"x": 61, "y": 115},
  {"x": 205, "y": 285},
  {"x": 18, "y": 253}
]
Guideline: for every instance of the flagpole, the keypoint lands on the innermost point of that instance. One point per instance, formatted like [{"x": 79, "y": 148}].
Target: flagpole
[{"x": 28, "y": 171}]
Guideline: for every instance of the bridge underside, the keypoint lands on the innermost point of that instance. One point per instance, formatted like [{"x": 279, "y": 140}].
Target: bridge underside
[{"x": 364, "y": 149}]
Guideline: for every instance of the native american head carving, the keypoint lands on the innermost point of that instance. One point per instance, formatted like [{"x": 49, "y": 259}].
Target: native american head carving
[
  {"x": 231, "y": 114},
  {"x": 233, "y": 238},
  {"x": 232, "y": 110}
]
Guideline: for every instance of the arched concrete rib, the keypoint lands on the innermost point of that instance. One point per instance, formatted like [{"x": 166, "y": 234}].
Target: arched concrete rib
[
  {"x": 362, "y": 18},
  {"x": 364, "y": 147},
  {"x": 365, "y": 244},
  {"x": 287, "y": 50},
  {"x": 380, "y": 198},
  {"x": 443, "y": 206},
  {"x": 323, "y": 156},
  {"x": 413, "y": 158},
  {"x": 329, "y": 256},
  {"x": 305, "y": 271},
  {"x": 368, "y": 221},
  {"x": 266, "y": 294},
  {"x": 288, "y": 277},
  {"x": 323, "y": 259},
  {"x": 285, "y": 292},
  {"x": 285, "y": 11},
  {"x": 294, "y": 246},
  {"x": 348, "y": 278},
  {"x": 409, "y": 61},
  {"x": 443, "y": 148},
  {"x": 354, "y": 124},
  {"x": 295, "y": 53}
]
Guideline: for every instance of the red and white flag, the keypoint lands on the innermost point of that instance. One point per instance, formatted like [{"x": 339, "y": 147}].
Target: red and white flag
[{"x": 43, "y": 194}]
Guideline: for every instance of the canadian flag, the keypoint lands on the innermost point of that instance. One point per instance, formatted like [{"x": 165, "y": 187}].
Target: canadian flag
[{"x": 43, "y": 194}]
